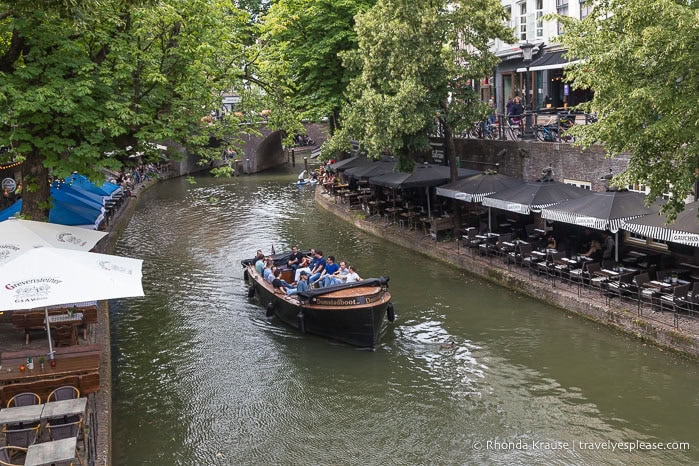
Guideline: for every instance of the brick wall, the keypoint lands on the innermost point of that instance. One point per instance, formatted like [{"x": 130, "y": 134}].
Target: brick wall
[{"x": 526, "y": 160}]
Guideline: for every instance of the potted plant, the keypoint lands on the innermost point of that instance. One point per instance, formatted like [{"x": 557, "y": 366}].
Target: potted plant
[{"x": 41, "y": 362}]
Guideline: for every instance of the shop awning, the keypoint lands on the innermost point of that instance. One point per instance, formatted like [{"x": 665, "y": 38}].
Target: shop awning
[{"x": 549, "y": 61}]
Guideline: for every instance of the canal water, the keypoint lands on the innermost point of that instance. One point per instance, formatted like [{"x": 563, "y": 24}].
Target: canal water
[{"x": 202, "y": 378}]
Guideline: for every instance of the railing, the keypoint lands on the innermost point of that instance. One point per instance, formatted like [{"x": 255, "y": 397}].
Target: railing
[{"x": 546, "y": 127}]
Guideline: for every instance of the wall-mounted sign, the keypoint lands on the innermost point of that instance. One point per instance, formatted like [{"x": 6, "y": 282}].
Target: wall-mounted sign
[{"x": 9, "y": 185}]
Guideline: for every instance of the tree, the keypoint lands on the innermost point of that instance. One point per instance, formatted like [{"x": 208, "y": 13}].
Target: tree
[
  {"x": 301, "y": 42},
  {"x": 416, "y": 60},
  {"x": 640, "y": 57},
  {"x": 79, "y": 79}
]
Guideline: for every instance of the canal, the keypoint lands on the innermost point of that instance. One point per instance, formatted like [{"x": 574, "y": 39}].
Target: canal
[{"x": 201, "y": 377}]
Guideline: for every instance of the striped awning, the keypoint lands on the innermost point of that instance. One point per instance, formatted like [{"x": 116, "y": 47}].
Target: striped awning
[
  {"x": 612, "y": 225},
  {"x": 525, "y": 209},
  {"x": 601, "y": 211},
  {"x": 533, "y": 196},
  {"x": 685, "y": 229}
]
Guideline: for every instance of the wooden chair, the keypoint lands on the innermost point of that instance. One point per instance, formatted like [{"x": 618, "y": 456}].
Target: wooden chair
[
  {"x": 66, "y": 335},
  {"x": 67, "y": 392},
  {"x": 24, "y": 399}
]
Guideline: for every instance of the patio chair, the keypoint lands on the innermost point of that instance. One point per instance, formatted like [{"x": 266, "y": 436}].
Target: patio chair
[
  {"x": 62, "y": 428},
  {"x": 24, "y": 437},
  {"x": 7, "y": 453},
  {"x": 67, "y": 392},
  {"x": 671, "y": 299},
  {"x": 620, "y": 286},
  {"x": 24, "y": 399},
  {"x": 643, "y": 293}
]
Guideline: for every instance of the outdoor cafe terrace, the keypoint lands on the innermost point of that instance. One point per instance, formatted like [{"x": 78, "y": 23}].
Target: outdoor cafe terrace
[{"x": 511, "y": 235}]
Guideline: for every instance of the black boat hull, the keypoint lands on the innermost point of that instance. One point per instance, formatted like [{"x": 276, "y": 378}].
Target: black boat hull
[{"x": 356, "y": 325}]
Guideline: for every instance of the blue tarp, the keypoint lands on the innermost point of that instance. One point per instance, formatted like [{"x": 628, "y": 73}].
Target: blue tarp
[
  {"x": 11, "y": 211},
  {"x": 81, "y": 181}
]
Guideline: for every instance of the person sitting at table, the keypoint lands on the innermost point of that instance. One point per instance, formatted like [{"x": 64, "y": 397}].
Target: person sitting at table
[
  {"x": 330, "y": 268},
  {"x": 594, "y": 250},
  {"x": 301, "y": 285},
  {"x": 551, "y": 242}
]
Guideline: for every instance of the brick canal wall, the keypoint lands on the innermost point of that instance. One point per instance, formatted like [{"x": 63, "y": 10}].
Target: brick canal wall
[{"x": 565, "y": 297}]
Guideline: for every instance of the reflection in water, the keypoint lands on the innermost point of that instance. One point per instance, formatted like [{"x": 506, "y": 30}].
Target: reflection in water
[{"x": 201, "y": 377}]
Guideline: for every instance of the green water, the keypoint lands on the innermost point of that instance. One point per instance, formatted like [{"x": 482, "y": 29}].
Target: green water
[{"x": 201, "y": 377}]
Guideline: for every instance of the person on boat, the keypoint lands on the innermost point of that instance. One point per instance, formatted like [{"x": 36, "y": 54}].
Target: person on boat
[
  {"x": 302, "y": 176},
  {"x": 260, "y": 262},
  {"x": 306, "y": 265},
  {"x": 295, "y": 258},
  {"x": 268, "y": 274},
  {"x": 301, "y": 285},
  {"x": 352, "y": 275},
  {"x": 318, "y": 268},
  {"x": 330, "y": 268},
  {"x": 338, "y": 277},
  {"x": 278, "y": 283}
]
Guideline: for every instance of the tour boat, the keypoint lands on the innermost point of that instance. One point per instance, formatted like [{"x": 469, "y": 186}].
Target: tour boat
[{"x": 352, "y": 313}]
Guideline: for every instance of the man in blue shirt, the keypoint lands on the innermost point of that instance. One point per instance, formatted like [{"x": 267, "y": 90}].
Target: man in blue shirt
[
  {"x": 317, "y": 270},
  {"x": 330, "y": 268}
]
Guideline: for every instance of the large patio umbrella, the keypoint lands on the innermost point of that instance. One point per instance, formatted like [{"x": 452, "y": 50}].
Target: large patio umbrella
[
  {"x": 601, "y": 211},
  {"x": 19, "y": 236},
  {"x": 343, "y": 165},
  {"x": 684, "y": 230},
  {"x": 533, "y": 196},
  {"x": 379, "y": 167},
  {"x": 426, "y": 176},
  {"x": 44, "y": 264},
  {"x": 475, "y": 188}
]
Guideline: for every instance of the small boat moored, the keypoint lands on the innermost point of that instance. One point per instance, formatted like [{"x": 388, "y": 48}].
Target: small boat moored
[{"x": 352, "y": 313}]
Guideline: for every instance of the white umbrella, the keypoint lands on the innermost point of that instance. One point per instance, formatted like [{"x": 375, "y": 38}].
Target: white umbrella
[
  {"x": 20, "y": 236},
  {"x": 47, "y": 276}
]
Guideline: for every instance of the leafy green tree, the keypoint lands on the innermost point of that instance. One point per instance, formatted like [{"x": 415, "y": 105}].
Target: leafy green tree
[
  {"x": 416, "y": 60},
  {"x": 641, "y": 59},
  {"x": 79, "y": 79},
  {"x": 301, "y": 41}
]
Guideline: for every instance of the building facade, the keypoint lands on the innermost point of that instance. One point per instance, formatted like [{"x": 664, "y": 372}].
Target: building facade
[{"x": 546, "y": 70}]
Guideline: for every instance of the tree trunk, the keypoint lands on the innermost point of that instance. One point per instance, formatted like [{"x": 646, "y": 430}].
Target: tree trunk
[
  {"x": 35, "y": 187},
  {"x": 450, "y": 150}
]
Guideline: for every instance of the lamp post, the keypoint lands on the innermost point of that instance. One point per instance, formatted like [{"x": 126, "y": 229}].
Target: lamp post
[{"x": 527, "y": 49}]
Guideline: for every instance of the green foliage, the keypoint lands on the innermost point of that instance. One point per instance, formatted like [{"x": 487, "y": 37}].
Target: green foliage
[
  {"x": 79, "y": 79},
  {"x": 299, "y": 57},
  {"x": 641, "y": 59},
  {"x": 412, "y": 71}
]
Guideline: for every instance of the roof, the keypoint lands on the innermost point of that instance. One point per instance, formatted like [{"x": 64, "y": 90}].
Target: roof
[{"x": 549, "y": 61}]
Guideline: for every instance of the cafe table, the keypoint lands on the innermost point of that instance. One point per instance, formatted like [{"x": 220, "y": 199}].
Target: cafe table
[
  {"x": 57, "y": 451},
  {"x": 21, "y": 414},
  {"x": 62, "y": 408}
]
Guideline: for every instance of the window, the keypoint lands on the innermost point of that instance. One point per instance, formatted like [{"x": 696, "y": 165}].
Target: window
[
  {"x": 523, "y": 21},
  {"x": 585, "y": 8},
  {"x": 539, "y": 18},
  {"x": 561, "y": 9},
  {"x": 580, "y": 184},
  {"x": 508, "y": 13}
]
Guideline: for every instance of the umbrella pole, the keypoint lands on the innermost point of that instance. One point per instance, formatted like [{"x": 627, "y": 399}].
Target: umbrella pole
[
  {"x": 616, "y": 247},
  {"x": 427, "y": 193},
  {"x": 48, "y": 331},
  {"x": 489, "y": 221}
]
